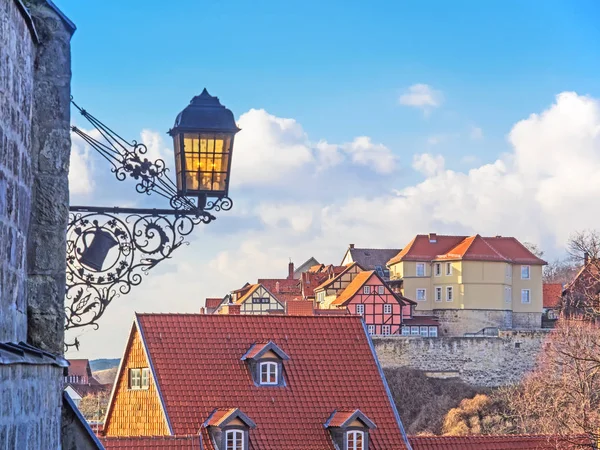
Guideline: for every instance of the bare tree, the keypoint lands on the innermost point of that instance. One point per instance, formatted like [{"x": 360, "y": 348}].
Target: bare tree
[
  {"x": 534, "y": 248},
  {"x": 93, "y": 406},
  {"x": 584, "y": 243},
  {"x": 562, "y": 396},
  {"x": 560, "y": 271}
]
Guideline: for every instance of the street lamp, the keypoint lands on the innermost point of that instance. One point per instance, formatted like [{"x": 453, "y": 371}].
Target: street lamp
[{"x": 109, "y": 249}]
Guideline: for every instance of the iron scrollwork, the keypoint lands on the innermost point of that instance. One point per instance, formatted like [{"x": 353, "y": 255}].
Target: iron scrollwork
[{"x": 109, "y": 250}]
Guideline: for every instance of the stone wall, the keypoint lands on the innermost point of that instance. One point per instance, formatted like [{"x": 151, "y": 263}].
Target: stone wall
[
  {"x": 457, "y": 322},
  {"x": 30, "y": 410},
  {"x": 480, "y": 361},
  {"x": 17, "y": 50}
]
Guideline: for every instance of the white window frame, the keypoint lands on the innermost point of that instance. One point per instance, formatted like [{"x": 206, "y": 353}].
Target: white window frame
[
  {"x": 272, "y": 369},
  {"x": 354, "y": 434},
  {"x": 385, "y": 330},
  {"x": 405, "y": 330},
  {"x": 424, "y": 331},
  {"x": 414, "y": 330},
  {"x": 367, "y": 290},
  {"x": 321, "y": 296},
  {"x": 450, "y": 290},
  {"x": 145, "y": 380},
  {"x": 433, "y": 331},
  {"x": 236, "y": 435},
  {"x": 507, "y": 294},
  {"x": 135, "y": 379},
  {"x": 381, "y": 290},
  {"x": 448, "y": 269},
  {"x": 438, "y": 290},
  {"x": 387, "y": 308},
  {"x": 528, "y": 296},
  {"x": 438, "y": 269},
  {"x": 424, "y": 299},
  {"x": 528, "y": 277},
  {"x": 360, "y": 309},
  {"x": 424, "y": 269},
  {"x": 508, "y": 271},
  {"x": 371, "y": 329}
]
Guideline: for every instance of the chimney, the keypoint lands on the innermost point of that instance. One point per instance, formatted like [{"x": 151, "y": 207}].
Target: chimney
[
  {"x": 586, "y": 257},
  {"x": 432, "y": 238},
  {"x": 351, "y": 245},
  {"x": 277, "y": 287},
  {"x": 291, "y": 271},
  {"x": 234, "y": 309},
  {"x": 202, "y": 310}
]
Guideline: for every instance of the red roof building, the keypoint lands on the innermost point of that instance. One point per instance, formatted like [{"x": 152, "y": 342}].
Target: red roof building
[
  {"x": 552, "y": 293},
  {"x": 507, "y": 442},
  {"x": 255, "y": 382}
]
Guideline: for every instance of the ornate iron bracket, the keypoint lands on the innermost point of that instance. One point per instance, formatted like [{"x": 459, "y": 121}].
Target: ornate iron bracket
[{"x": 110, "y": 249}]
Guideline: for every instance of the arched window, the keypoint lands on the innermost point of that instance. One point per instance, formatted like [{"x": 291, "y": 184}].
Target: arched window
[
  {"x": 268, "y": 372},
  {"x": 355, "y": 440},
  {"x": 234, "y": 440}
]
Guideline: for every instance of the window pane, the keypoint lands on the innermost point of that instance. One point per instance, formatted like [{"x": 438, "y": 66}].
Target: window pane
[
  {"x": 420, "y": 270},
  {"x": 433, "y": 331}
]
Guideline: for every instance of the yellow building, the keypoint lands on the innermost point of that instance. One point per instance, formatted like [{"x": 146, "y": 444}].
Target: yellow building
[{"x": 471, "y": 282}]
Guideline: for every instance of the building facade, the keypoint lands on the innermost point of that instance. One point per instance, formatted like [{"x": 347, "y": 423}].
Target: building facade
[{"x": 471, "y": 282}]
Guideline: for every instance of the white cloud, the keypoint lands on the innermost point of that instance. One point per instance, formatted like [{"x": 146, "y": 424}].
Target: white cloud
[
  {"x": 476, "y": 133},
  {"x": 81, "y": 171},
  {"x": 377, "y": 156},
  {"x": 421, "y": 96},
  {"x": 156, "y": 147},
  {"x": 540, "y": 190}
]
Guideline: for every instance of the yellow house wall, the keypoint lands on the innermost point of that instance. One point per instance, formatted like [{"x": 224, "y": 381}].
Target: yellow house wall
[{"x": 534, "y": 284}]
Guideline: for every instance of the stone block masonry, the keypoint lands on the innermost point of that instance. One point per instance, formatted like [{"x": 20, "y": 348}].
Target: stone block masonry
[{"x": 479, "y": 361}]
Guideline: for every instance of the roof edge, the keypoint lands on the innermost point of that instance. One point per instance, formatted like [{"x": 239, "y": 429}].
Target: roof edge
[
  {"x": 86, "y": 425},
  {"x": 28, "y": 20},
  {"x": 387, "y": 388}
]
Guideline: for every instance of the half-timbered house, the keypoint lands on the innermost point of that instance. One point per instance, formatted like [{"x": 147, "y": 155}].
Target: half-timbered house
[
  {"x": 328, "y": 291},
  {"x": 259, "y": 300}
]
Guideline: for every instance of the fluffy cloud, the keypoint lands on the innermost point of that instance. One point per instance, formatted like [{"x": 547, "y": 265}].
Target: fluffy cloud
[
  {"x": 421, "y": 96},
  {"x": 81, "y": 182},
  {"x": 540, "y": 190}
]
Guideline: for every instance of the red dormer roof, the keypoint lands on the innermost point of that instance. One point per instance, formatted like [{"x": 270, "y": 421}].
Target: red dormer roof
[
  {"x": 476, "y": 248},
  {"x": 552, "y": 294},
  {"x": 324, "y": 353},
  {"x": 213, "y": 303}
]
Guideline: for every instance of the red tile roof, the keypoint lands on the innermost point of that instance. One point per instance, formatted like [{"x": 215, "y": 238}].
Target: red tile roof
[
  {"x": 213, "y": 302},
  {"x": 552, "y": 293},
  {"x": 332, "y": 366},
  {"x": 285, "y": 285},
  {"x": 476, "y": 248},
  {"x": 507, "y": 442},
  {"x": 353, "y": 287},
  {"x": 191, "y": 442},
  {"x": 80, "y": 367},
  {"x": 300, "y": 308}
]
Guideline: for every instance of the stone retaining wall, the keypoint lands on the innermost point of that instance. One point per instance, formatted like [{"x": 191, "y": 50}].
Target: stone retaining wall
[{"x": 479, "y": 361}]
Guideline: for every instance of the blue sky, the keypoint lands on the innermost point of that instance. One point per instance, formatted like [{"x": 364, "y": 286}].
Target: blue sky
[{"x": 363, "y": 122}]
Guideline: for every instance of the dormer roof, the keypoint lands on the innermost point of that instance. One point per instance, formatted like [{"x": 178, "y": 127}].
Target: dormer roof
[
  {"x": 223, "y": 416},
  {"x": 343, "y": 419},
  {"x": 258, "y": 350}
]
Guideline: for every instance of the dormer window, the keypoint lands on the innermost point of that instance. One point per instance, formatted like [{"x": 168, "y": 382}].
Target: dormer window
[
  {"x": 350, "y": 429},
  {"x": 265, "y": 363},
  {"x": 229, "y": 429},
  {"x": 268, "y": 372}
]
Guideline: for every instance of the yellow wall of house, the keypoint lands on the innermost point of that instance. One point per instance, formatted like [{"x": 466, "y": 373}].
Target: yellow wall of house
[{"x": 476, "y": 285}]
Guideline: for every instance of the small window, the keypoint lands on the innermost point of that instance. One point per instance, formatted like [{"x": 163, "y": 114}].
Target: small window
[
  {"x": 421, "y": 295},
  {"x": 260, "y": 300},
  {"x": 385, "y": 330},
  {"x": 360, "y": 309},
  {"x": 145, "y": 378},
  {"x": 380, "y": 290},
  {"x": 424, "y": 331},
  {"x": 525, "y": 272},
  {"x": 366, "y": 290},
  {"x": 268, "y": 372},
  {"x": 448, "y": 268},
  {"x": 438, "y": 294},
  {"x": 414, "y": 331},
  {"x": 321, "y": 296},
  {"x": 433, "y": 331},
  {"x": 405, "y": 331},
  {"x": 507, "y": 294},
  {"x": 508, "y": 271},
  {"x": 355, "y": 440},
  {"x": 420, "y": 269},
  {"x": 371, "y": 329},
  {"x": 438, "y": 269},
  {"x": 525, "y": 296},
  {"x": 135, "y": 378},
  {"x": 449, "y": 294},
  {"x": 387, "y": 308},
  {"x": 234, "y": 440}
]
